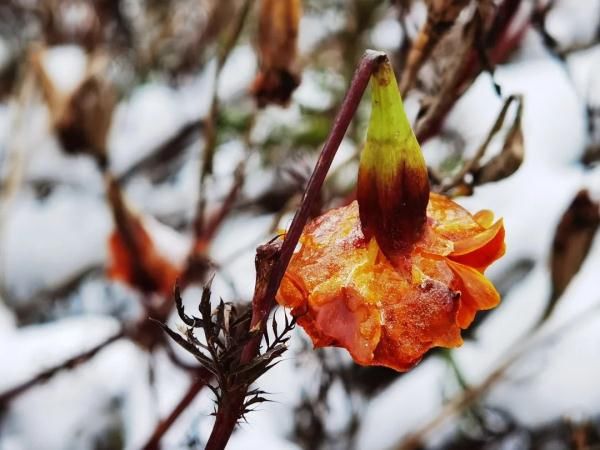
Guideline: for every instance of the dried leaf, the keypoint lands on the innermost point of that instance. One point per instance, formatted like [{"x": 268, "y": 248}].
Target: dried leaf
[
  {"x": 81, "y": 118},
  {"x": 135, "y": 260},
  {"x": 190, "y": 321},
  {"x": 277, "y": 36},
  {"x": 83, "y": 126},
  {"x": 510, "y": 158},
  {"x": 572, "y": 242},
  {"x": 486, "y": 38},
  {"x": 441, "y": 16},
  {"x": 500, "y": 166}
]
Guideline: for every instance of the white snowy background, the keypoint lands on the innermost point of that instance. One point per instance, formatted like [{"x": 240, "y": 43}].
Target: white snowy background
[{"x": 44, "y": 243}]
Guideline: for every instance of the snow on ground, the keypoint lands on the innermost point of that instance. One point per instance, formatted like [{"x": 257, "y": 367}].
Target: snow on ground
[
  {"x": 62, "y": 412},
  {"x": 40, "y": 248},
  {"x": 66, "y": 66},
  {"x": 573, "y": 22},
  {"x": 150, "y": 116}
]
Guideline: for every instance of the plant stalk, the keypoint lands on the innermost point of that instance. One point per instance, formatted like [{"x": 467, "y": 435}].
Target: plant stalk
[{"x": 264, "y": 297}]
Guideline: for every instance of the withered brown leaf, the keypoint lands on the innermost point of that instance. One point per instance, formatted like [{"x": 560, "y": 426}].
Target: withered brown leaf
[
  {"x": 277, "y": 45},
  {"x": 509, "y": 159},
  {"x": 572, "y": 241}
]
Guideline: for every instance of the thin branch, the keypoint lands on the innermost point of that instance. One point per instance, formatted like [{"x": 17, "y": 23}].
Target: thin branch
[
  {"x": 210, "y": 132},
  {"x": 69, "y": 364},
  {"x": 164, "y": 425},
  {"x": 474, "y": 162},
  {"x": 166, "y": 151}
]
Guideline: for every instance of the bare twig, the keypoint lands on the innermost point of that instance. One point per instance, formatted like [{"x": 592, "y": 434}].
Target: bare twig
[
  {"x": 475, "y": 161},
  {"x": 164, "y": 425},
  {"x": 69, "y": 364},
  {"x": 210, "y": 132}
]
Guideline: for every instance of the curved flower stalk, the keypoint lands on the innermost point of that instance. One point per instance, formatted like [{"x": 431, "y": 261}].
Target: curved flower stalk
[{"x": 400, "y": 270}]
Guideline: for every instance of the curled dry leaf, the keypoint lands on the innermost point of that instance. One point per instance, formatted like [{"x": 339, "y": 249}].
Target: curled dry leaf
[
  {"x": 81, "y": 118},
  {"x": 441, "y": 16},
  {"x": 485, "y": 38},
  {"x": 277, "y": 45},
  {"x": 134, "y": 258},
  {"x": 510, "y": 158},
  {"x": 84, "y": 124},
  {"x": 572, "y": 242}
]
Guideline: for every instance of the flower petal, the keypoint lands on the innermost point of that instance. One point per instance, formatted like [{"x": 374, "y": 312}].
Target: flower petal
[
  {"x": 479, "y": 240},
  {"x": 449, "y": 219},
  {"x": 419, "y": 318},
  {"x": 481, "y": 250},
  {"x": 485, "y": 218},
  {"x": 477, "y": 293},
  {"x": 349, "y": 321},
  {"x": 345, "y": 292}
]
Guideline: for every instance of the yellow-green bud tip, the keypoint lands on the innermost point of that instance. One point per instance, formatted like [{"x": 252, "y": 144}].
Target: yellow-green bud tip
[{"x": 393, "y": 187}]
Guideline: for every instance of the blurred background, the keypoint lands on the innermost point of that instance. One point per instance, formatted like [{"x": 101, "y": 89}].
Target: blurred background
[{"x": 145, "y": 141}]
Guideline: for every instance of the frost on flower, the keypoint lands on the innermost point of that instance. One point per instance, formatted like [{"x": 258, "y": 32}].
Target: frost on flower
[{"x": 400, "y": 270}]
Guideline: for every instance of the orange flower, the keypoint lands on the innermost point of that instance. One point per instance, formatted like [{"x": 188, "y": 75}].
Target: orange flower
[{"x": 391, "y": 276}]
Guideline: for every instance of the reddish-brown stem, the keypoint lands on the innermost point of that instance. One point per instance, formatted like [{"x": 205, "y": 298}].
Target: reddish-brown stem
[
  {"x": 264, "y": 297},
  {"x": 70, "y": 363},
  {"x": 164, "y": 425},
  {"x": 369, "y": 62},
  {"x": 226, "y": 420},
  {"x": 208, "y": 230}
]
